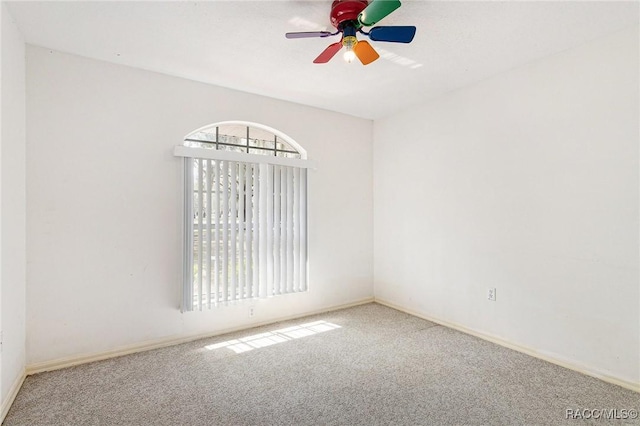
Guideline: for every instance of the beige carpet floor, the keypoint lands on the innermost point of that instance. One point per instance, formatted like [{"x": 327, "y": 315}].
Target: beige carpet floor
[{"x": 367, "y": 365}]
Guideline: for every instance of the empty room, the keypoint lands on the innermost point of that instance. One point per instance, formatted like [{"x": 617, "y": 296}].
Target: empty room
[{"x": 320, "y": 212}]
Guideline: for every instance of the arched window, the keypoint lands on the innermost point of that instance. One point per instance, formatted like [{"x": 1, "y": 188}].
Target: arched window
[
  {"x": 245, "y": 220},
  {"x": 250, "y": 138}
]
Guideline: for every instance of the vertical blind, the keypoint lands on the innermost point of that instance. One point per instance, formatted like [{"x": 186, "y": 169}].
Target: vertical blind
[{"x": 246, "y": 226}]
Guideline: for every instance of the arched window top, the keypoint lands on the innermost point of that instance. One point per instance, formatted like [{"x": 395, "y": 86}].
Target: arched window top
[{"x": 246, "y": 137}]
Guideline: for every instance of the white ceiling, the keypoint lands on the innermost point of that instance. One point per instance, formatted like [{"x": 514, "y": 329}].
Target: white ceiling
[{"x": 241, "y": 44}]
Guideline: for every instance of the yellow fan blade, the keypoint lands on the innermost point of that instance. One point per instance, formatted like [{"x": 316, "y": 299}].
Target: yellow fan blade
[{"x": 365, "y": 52}]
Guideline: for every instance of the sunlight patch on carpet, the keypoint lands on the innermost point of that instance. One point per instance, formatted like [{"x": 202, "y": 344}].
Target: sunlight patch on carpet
[{"x": 269, "y": 338}]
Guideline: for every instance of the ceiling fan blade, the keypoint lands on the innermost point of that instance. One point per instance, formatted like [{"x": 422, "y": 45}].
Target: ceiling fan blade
[
  {"x": 393, "y": 34},
  {"x": 376, "y": 11},
  {"x": 365, "y": 52},
  {"x": 328, "y": 53},
  {"x": 309, "y": 34}
]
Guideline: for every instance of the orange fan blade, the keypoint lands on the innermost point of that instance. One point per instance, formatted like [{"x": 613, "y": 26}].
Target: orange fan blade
[
  {"x": 328, "y": 53},
  {"x": 365, "y": 52}
]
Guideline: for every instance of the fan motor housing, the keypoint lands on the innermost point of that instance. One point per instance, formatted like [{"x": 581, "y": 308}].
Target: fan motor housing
[{"x": 346, "y": 10}]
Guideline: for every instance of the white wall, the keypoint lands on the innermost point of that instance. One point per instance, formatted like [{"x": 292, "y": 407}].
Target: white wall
[
  {"x": 12, "y": 205},
  {"x": 527, "y": 182},
  {"x": 104, "y": 195}
]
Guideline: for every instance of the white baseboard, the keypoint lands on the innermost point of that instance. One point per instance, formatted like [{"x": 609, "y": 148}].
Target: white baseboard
[
  {"x": 170, "y": 341},
  {"x": 516, "y": 347},
  {"x": 160, "y": 343},
  {"x": 11, "y": 396}
]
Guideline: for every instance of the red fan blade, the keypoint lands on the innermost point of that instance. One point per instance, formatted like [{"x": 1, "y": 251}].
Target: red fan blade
[{"x": 328, "y": 53}]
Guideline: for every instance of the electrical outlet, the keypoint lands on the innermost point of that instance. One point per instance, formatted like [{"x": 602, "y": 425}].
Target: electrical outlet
[
  {"x": 252, "y": 311},
  {"x": 491, "y": 294}
]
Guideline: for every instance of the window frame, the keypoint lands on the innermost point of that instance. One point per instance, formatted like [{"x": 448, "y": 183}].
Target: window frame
[
  {"x": 290, "y": 141},
  {"x": 192, "y": 152}
]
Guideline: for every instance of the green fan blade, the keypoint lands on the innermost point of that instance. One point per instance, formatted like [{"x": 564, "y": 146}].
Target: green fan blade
[{"x": 376, "y": 11}]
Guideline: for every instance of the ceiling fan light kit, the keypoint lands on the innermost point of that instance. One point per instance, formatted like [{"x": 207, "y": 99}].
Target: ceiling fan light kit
[{"x": 349, "y": 17}]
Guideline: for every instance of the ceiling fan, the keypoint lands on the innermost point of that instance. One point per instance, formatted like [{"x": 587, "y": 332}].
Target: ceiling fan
[{"x": 349, "y": 17}]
